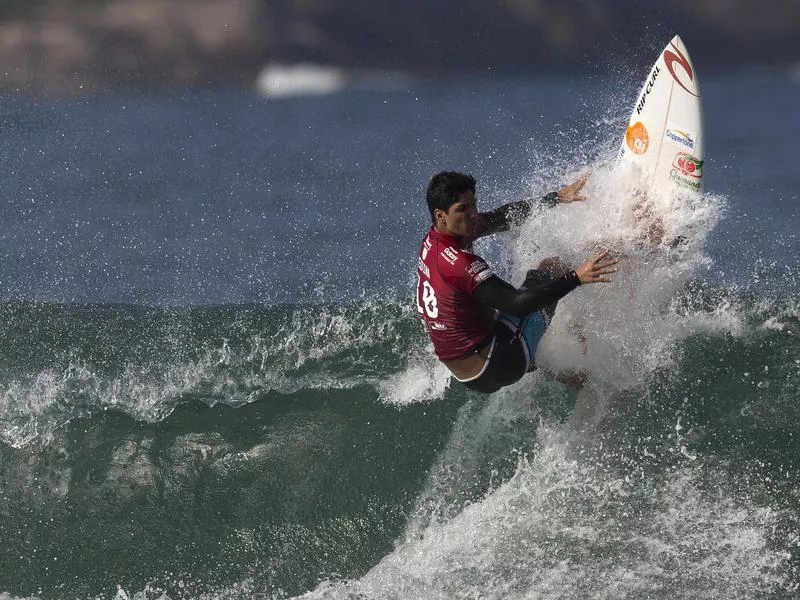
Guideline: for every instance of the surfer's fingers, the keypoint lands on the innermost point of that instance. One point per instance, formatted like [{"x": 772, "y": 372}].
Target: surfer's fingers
[
  {"x": 578, "y": 185},
  {"x": 607, "y": 263},
  {"x": 569, "y": 193},
  {"x": 601, "y": 275},
  {"x": 601, "y": 255},
  {"x": 584, "y": 177},
  {"x": 600, "y": 272}
]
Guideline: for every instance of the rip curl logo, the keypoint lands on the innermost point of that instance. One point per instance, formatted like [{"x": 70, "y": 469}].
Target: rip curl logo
[
  {"x": 476, "y": 267},
  {"x": 671, "y": 59},
  {"x": 651, "y": 81},
  {"x": 450, "y": 255}
]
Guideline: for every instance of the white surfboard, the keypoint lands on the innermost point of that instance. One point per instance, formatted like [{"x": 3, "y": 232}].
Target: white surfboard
[{"x": 663, "y": 143}]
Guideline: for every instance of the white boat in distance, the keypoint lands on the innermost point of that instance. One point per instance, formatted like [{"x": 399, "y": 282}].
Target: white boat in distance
[{"x": 307, "y": 79}]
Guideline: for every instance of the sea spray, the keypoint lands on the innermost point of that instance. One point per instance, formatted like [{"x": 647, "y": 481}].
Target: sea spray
[
  {"x": 629, "y": 506},
  {"x": 571, "y": 523},
  {"x": 146, "y": 361},
  {"x": 630, "y": 325}
]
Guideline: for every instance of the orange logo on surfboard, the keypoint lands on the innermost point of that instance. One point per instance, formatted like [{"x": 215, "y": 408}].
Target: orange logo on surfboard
[{"x": 637, "y": 139}]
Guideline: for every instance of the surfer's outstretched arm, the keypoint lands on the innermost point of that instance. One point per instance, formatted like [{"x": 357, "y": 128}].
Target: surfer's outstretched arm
[
  {"x": 501, "y": 295},
  {"x": 498, "y": 294},
  {"x": 514, "y": 214}
]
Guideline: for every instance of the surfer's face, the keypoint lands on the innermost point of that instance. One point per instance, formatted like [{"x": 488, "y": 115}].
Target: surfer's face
[{"x": 460, "y": 219}]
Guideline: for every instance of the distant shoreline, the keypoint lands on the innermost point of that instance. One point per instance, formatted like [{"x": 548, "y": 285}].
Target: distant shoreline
[{"x": 77, "y": 47}]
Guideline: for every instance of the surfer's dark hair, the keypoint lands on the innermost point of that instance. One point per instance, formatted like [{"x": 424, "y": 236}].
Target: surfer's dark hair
[{"x": 445, "y": 189}]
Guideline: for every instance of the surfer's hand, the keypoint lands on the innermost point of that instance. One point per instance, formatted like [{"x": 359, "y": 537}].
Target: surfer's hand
[
  {"x": 572, "y": 192},
  {"x": 595, "y": 269}
]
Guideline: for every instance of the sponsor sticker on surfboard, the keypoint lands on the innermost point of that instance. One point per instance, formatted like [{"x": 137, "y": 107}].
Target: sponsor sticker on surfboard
[
  {"x": 663, "y": 143},
  {"x": 681, "y": 136}
]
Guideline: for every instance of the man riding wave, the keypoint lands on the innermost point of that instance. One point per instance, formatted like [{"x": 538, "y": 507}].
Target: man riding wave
[{"x": 483, "y": 329}]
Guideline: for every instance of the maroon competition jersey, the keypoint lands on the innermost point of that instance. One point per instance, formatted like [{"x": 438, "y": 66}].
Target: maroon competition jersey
[{"x": 448, "y": 273}]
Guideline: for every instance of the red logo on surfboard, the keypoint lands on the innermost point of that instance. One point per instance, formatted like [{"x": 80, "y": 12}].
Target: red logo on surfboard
[
  {"x": 671, "y": 59},
  {"x": 688, "y": 165}
]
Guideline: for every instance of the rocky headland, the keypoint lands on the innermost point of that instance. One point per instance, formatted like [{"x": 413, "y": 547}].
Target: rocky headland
[{"x": 74, "y": 46}]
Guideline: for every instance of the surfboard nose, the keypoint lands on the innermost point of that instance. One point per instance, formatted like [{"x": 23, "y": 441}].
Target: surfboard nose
[{"x": 663, "y": 144}]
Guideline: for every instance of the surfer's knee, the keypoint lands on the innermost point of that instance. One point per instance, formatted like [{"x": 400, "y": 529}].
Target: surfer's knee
[{"x": 554, "y": 265}]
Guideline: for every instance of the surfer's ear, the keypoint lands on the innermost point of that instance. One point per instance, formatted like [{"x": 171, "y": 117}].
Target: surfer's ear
[{"x": 440, "y": 217}]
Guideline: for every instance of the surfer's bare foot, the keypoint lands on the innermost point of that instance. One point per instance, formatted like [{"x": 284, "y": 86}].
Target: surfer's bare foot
[
  {"x": 577, "y": 330},
  {"x": 574, "y": 380},
  {"x": 678, "y": 240},
  {"x": 651, "y": 226}
]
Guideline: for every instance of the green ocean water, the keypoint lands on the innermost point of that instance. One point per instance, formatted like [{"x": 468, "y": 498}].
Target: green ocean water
[
  {"x": 269, "y": 476},
  {"x": 214, "y": 383}
]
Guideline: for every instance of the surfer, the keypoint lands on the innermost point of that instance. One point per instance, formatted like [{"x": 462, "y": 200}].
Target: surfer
[{"x": 483, "y": 329}]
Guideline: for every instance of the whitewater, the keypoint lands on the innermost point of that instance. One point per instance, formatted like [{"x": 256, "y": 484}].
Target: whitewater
[{"x": 198, "y": 402}]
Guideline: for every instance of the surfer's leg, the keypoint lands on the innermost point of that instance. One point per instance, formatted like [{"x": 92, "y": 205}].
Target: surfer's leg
[
  {"x": 574, "y": 380},
  {"x": 528, "y": 332},
  {"x": 553, "y": 265},
  {"x": 652, "y": 231},
  {"x": 506, "y": 363},
  {"x": 548, "y": 269},
  {"x": 551, "y": 268}
]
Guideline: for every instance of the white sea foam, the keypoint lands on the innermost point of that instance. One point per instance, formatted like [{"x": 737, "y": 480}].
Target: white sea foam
[
  {"x": 281, "y": 81},
  {"x": 7, "y": 596},
  {"x": 783, "y": 317},
  {"x": 313, "y": 349},
  {"x": 423, "y": 379},
  {"x": 632, "y": 324},
  {"x": 568, "y": 526}
]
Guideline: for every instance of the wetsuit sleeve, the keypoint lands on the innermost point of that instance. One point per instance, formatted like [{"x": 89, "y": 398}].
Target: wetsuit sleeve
[
  {"x": 511, "y": 215},
  {"x": 496, "y": 293}
]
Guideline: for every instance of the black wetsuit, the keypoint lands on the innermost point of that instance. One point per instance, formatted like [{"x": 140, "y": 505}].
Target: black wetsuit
[{"x": 512, "y": 355}]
